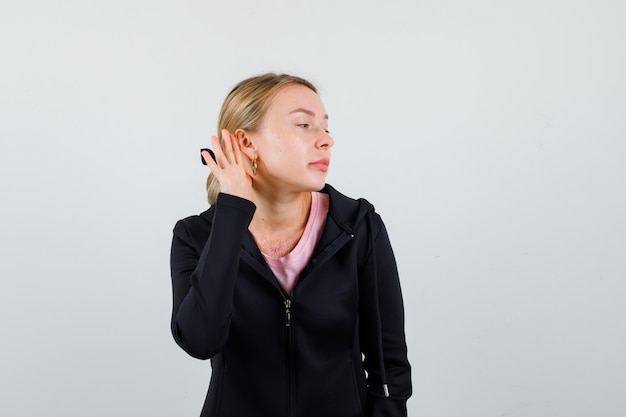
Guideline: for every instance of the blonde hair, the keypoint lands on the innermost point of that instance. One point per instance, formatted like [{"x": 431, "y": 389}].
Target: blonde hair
[{"x": 244, "y": 108}]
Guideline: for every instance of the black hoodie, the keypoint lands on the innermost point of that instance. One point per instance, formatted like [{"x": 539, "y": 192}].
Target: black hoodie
[{"x": 335, "y": 347}]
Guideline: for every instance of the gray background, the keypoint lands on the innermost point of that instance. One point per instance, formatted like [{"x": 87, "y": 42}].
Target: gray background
[{"x": 490, "y": 135}]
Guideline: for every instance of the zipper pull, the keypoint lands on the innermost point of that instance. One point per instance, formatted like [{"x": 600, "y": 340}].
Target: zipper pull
[{"x": 287, "y": 313}]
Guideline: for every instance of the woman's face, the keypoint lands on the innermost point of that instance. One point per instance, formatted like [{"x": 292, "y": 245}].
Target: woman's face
[{"x": 292, "y": 142}]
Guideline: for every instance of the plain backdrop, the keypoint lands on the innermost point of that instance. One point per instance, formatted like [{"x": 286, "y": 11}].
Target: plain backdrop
[{"x": 490, "y": 135}]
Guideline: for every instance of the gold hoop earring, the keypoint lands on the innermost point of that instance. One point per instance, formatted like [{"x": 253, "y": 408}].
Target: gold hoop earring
[{"x": 254, "y": 166}]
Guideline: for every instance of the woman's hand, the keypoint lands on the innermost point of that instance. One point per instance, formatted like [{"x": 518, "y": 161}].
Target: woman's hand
[{"x": 229, "y": 168}]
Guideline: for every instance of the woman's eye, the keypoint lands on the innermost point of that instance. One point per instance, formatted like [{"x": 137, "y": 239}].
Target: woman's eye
[{"x": 304, "y": 125}]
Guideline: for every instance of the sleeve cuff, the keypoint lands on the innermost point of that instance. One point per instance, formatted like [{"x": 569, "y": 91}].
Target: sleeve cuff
[{"x": 234, "y": 202}]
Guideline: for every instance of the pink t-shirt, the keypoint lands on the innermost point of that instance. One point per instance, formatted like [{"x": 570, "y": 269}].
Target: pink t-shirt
[{"x": 287, "y": 268}]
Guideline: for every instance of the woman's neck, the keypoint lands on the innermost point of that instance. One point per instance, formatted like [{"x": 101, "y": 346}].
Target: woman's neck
[
  {"x": 278, "y": 223},
  {"x": 276, "y": 215}
]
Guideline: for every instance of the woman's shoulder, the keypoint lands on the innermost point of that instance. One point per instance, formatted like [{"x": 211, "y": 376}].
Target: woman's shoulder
[
  {"x": 347, "y": 210},
  {"x": 194, "y": 226},
  {"x": 199, "y": 218},
  {"x": 344, "y": 200}
]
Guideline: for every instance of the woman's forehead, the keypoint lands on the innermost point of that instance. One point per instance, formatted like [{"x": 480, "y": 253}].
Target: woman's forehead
[{"x": 297, "y": 98}]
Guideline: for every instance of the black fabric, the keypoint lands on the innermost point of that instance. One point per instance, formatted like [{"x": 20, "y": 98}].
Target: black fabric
[{"x": 267, "y": 361}]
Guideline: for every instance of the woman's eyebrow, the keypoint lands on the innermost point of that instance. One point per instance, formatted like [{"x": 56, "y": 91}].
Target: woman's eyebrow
[{"x": 307, "y": 111}]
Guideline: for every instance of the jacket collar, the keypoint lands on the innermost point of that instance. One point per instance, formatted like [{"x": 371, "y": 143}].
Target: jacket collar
[{"x": 345, "y": 211}]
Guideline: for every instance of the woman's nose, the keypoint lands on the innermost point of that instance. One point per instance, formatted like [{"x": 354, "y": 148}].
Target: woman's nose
[{"x": 326, "y": 141}]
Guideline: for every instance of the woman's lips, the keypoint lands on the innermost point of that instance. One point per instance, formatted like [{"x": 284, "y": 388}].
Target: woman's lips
[{"x": 321, "y": 164}]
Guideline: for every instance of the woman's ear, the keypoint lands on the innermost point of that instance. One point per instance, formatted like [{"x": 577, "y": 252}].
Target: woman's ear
[{"x": 246, "y": 143}]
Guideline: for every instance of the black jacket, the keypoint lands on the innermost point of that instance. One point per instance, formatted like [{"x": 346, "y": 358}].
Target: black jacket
[{"x": 299, "y": 356}]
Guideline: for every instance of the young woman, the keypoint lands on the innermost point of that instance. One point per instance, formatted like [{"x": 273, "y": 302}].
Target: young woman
[{"x": 288, "y": 286}]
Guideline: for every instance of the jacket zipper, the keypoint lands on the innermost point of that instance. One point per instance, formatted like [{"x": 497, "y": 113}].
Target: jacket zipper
[
  {"x": 287, "y": 312},
  {"x": 290, "y": 365},
  {"x": 288, "y": 304}
]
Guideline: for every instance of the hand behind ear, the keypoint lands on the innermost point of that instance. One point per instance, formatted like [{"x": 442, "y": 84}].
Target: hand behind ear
[{"x": 229, "y": 166}]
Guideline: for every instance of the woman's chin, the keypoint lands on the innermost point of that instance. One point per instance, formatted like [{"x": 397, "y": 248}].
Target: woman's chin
[{"x": 318, "y": 183}]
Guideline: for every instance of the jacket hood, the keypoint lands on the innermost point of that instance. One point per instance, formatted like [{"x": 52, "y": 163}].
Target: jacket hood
[{"x": 347, "y": 212}]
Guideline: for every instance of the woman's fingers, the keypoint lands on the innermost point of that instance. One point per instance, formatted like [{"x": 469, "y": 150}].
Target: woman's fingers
[
  {"x": 207, "y": 155},
  {"x": 217, "y": 150},
  {"x": 237, "y": 151},
  {"x": 228, "y": 146},
  {"x": 228, "y": 156},
  {"x": 229, "y": 168}
]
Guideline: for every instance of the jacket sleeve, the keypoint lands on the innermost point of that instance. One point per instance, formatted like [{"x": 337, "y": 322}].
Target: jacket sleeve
[
  {"x": 204, "y": 276},
  {"x": 382, "y": 328}
]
